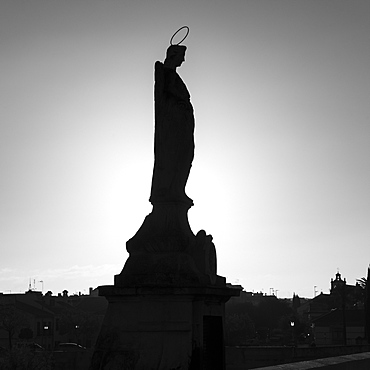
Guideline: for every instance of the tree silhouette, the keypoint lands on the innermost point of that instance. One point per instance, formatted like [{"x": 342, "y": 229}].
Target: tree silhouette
[
  {"x": 246, "y": 321},
  {"x": 25, "y": 333},
  {"x": 79, "y": 324},
  {"x": 12, "y": 320},
  {"x": 367, "y": 306},
  {"x": 362, "y": 282},
  {"x": 239, "y": 328}
]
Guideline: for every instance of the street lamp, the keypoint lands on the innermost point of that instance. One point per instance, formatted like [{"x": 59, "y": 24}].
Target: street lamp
[{"x": 293, "y": 336}]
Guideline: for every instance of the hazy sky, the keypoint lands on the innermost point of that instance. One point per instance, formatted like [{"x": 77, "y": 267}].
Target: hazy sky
[{"x": 281, "y": 173}]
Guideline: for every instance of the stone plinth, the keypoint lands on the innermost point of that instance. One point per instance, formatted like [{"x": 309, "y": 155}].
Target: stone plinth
[
  {"x": 164, "y": 251},
  {"x": 166, "y": 307},
  {"x": 162, "y": 328}
]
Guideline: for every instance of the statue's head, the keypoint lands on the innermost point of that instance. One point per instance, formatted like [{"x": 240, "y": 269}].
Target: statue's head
[{"x": 175, "y": 56}]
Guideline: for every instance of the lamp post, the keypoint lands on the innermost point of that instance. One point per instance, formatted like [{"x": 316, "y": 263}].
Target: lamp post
[{"x": 293, "y": 336}]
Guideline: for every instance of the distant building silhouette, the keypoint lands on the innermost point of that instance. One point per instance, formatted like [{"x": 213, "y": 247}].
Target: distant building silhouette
[
  {"x": 48, "y": 320},
  {"x": 329, "y": 330},
  {"x": 257, "y": 319},
  {"x": 334, "y": 318},
  {"x": 338, "y": 317}
]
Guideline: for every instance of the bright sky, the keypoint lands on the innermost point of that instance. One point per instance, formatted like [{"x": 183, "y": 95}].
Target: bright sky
[{"x": 281, "y": 174}]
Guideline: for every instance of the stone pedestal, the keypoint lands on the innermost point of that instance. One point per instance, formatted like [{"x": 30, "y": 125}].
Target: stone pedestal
[
  {"x": 166, "y": 307},
  {"x": 162, "y": 328}
]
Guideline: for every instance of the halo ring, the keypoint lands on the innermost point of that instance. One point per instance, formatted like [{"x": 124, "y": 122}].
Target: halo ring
[{"x": 186, "y": 35}]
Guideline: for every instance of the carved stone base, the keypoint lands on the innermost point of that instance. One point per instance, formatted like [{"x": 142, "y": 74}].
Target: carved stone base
[
  {"x": 162, "y": 328},
  {"x": 166, "y": 308},
  {"x": 164, "y": 251}
]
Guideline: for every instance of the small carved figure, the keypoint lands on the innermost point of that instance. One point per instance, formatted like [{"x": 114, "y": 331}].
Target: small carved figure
[{"x": 174, "y": 131}]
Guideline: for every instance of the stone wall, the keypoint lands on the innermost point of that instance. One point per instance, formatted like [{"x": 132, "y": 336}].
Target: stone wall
[
  {"x": 241, "y": 358},
  {"x": 358, "y": 361}
]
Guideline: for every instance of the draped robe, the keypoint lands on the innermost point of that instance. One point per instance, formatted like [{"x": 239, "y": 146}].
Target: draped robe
[{"x": 173, "y": 137}]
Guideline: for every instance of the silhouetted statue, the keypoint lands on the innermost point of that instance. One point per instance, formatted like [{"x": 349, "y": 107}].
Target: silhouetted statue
[
  {"x": 165, "y": 250},
  {"x": 168, "y": 292},
  {"x": 174, "y": 131}
]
